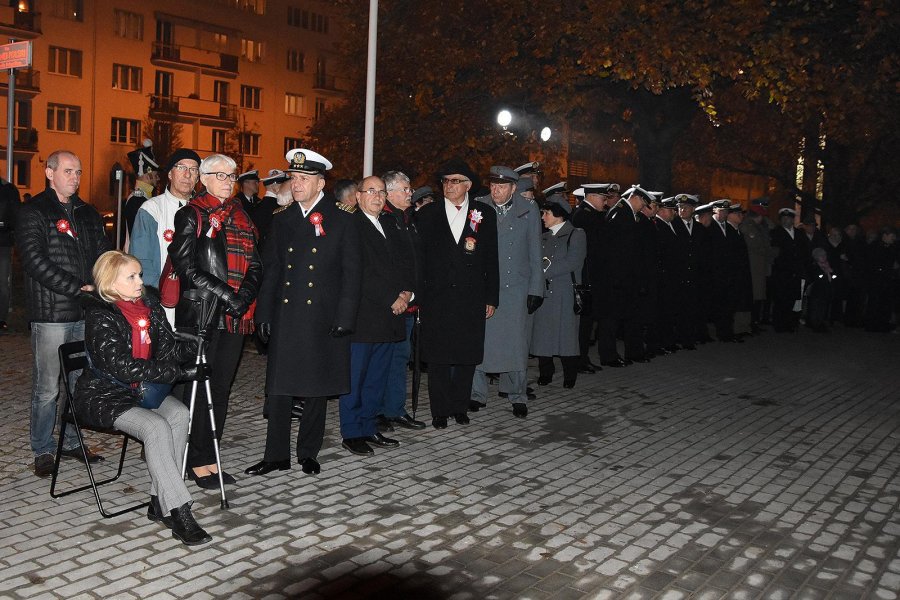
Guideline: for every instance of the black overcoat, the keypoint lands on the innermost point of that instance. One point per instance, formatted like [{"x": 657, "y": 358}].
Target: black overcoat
[
  {"x": 620, "y": 270},
  {"x": 459, "y": 283},
  {"x": 310, "y": 285},
  {"x": 387, "y": 270},
  {"x": 790, "y": 263}
]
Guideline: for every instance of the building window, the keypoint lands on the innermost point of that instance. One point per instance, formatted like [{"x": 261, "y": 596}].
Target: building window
[
  {"x": 250, "y": 97},
  {"x": 129, "y": 25},
  {"x": 308, "y": 20},
  {"x": 124, "y": 131},
  {"x": 63, "y": 117},
  {"x": 291, "y": 142},
  {"x": 65, "y": 61},
  {"x": 257, "y": 7},
  {"x": 293, "y": 104},
  {"x": 295, "y": 60},
  {"x": 127, "y": 78},
  {"x": 252, "y": 50},
  {"x": 218, "y": 140},
  {"x": 249, "y": 144},
  {"x": 72, "y": 10},
  {"x": 22, "y": 172},
  {"x": 320, "y": 107},
  {"x": 220, "y": 92}
]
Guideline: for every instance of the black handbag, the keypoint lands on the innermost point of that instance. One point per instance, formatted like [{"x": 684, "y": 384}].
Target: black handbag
[{"x": 582, "y": 305}]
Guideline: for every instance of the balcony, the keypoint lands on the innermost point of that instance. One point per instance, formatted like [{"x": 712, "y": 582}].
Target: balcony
[
  {"x": 323, "y": 82},
  {"x": 28, "y": 82},
  {"x": 19, "y": 25},
  {"x": 185, "y": 108},
  {"x": 189, "y": 58},
  {"x": 25, "y": 139}
]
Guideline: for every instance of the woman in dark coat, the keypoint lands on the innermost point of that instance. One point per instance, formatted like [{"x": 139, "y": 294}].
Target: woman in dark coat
[
  {"x": 129, "y": 341},
  {"x": 214, "y": 250}
]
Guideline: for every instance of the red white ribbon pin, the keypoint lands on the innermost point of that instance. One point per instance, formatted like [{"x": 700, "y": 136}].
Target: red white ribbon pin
[
  {"x": 316, "y": 219},
  {"x": 475, "y": 218},
  {"x": 63, "y": 226}
]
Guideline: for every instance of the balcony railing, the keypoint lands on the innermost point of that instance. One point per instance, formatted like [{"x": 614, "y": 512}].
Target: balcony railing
[
  {"x": 187, "y": 106},
  {"x": 323, "y": 81},
  {"x": 26, "y": 79},
  {"x": 195, "y": 57},
  {"x": 24, "y": 139},
  {"x": 13, "y": 19}
]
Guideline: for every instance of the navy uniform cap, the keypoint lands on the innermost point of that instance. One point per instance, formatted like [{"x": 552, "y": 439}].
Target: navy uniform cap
[
  {"x": 248, "y": 176},
  {"x": 501, "y": 174},
  {"x": 687, "y": 199},
  {"x": 637, "y": 190},
  {"x": 558, "y": 188},
  {"x": 737, "y": 207},
  {"x": 671, "y": 202},
  {"x": 579, "y": 193},
  {"x": 528, "y": 168},
  {"x": 301, "y": 160},
  {"x": 787, "y": 212},
  {"x": 723, "y": 204},
  {"x": 422, "y": 193},
  {"x": 601, "y": 188},
  {"x": 275, "y": 176},
  {"x": 705, "y": 208}
]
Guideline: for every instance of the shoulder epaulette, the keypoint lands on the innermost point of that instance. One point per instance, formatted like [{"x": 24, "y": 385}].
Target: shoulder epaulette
[
  {"x": 282, "y": 208},
  {"x": 345, "y": 207}
]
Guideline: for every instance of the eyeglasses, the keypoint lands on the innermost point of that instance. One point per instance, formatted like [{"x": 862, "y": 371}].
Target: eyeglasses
[
  {"x": 223, "y": 176},
  {"x": 374, "y": 192},
  {"x": 405, "y": 190},
  {"x": 447, "y": 181},
  {"x": 186, "y": 169}
]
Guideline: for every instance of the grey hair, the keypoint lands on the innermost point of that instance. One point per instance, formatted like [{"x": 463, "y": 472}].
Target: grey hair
[
  {"x": 213, "y": 160},
  {"x": 53, "y": 159},
  {"x": 392, "y": 178}
]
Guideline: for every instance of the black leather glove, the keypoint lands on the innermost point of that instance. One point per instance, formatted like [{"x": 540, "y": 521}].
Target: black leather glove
[
  {"x": 534, "y": 303},
  {"x": 236, "y": 306},
  {"x": 263, "y": 332},
  {"x": 197, "y": 372},
  {"x": 338, "y": 332}
]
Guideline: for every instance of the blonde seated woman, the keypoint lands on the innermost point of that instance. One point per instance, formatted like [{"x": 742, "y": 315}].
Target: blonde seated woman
[{"x": 134, "y": 359}]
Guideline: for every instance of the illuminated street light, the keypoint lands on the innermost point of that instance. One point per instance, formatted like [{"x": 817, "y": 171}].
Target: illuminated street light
[
  {"x": 545, "y": 134},
  {"x": 504, "y": 118}
]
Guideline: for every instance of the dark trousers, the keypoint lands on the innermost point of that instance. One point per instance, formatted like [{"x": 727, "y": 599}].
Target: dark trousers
[
  {"x": 309, "y": 436},
  {"x": 546, "y": 369},
  {"x": 223, "y": 353},
  {"x": 369, "y": 365},
  {"x": 632, "y": 333},
  {"x": 449, "y": 388},
  {"x": 723, "y": 319}
]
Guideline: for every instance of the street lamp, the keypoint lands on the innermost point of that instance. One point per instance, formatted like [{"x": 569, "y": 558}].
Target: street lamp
[
  {"x": 504, "y": 118},
  {"x": 545, "y": 134}
]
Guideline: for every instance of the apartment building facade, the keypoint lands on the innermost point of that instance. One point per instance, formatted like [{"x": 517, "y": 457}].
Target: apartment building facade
[{"x": 243, "y": 77}]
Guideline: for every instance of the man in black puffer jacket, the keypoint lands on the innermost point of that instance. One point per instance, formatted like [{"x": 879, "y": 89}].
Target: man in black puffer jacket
[{"x": 59, "y": 237}]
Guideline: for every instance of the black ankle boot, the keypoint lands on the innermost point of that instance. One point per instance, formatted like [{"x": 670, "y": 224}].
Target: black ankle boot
[
  {"x": 155, "y": 513},
  {"x": 185, "y": 528}
]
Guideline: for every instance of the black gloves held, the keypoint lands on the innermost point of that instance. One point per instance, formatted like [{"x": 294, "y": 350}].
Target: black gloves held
[
  {"x": 197, "y": 372},
  {"x": 263, "y": 332},
  {"x": 534, "y": 303},
  {"x": 338, "y": 332},
  {"x": 236, "y": 306}
]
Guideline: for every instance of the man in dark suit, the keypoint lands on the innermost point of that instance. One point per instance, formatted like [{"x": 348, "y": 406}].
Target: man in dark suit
[
  {"x": 689, "y": 323},
  {"x": 249, "y": 186},
  {"x": 787, "y": 270},
  {"x": 724, "y": 280},
  {"x": 669, "y": 264},
  {"x": 617, "y": 302},
  {"x": 387, "y": 288},
  {"x": 461, "y": 276},
  {"x": 306, "y": 310}
]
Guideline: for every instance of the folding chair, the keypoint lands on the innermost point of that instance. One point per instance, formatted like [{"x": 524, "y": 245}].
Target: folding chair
[{"x": 72, "y": 358}]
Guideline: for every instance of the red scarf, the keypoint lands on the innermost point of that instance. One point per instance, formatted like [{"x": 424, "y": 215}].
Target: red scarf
[
  {"x": 138, "y": 316},
  {"x": 240, "y": 241}
]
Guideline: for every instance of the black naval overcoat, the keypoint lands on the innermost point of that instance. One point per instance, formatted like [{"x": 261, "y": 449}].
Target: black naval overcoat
[
  {"x": 459, "y": 283},
  {"x": 310, "y": 284},
  {"x": 623, "y": 251}
]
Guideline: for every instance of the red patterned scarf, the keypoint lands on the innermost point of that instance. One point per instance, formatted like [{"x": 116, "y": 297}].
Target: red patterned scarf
[
  {"x": 138, "y": 316},
  {"x": 240, "y": 240}
]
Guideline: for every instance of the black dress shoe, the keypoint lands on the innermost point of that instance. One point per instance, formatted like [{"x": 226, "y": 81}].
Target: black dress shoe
[
  {"x": 475, "y": 405},
  {"x": 186, "y": 529},
  {"x": 358, "y": 446},
  {"x": 616, "y": 363},
  {"x": 264, "y": 467},
  {"x": 380, "y": 440},
  {"x": 439, "y": 422},
  {"x": 383, "y": 424},
  {"x": 569, "y": 384},
  {"x": 155, "y": 513},
  {"x": 520, "y": 410},
  {"x": 78, "y": 455},
  {"x": 310, "y": 466},
  {"x": 462, "y": 418},
  {"x": 226, "y": 478},
  {"x": 544, "y": 380},
  {"x": 587, "y": 370},
  {"x": 408, "y": 422}
]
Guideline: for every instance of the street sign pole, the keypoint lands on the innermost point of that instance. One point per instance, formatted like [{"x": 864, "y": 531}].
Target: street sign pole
[{"x": 13, "y": 55}]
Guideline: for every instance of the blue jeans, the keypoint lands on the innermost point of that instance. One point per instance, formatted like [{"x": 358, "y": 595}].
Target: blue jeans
[
  {"x": 46, "y": 338},
  {"x": 358, "y": 409},
  {"x": 394, "y": 403}
]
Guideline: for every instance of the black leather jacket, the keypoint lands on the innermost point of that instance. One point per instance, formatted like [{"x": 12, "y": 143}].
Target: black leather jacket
[
  {"x": 201, "y": 262},
  {"x": 56, "y": 264},
  {"x": 99, "y": 401}
]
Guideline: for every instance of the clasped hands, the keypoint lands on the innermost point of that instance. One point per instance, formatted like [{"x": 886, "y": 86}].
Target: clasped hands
[{"x": 401, "y": 303}]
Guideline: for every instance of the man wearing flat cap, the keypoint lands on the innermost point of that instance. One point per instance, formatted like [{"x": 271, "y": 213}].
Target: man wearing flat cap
[
  {"x": 145, "y": 168},
  {"x": 590, "y": 216},
  {"x": 461, "y": 278},
  {"x": 306, "y": 310},
  {"x": 788, "y": 267},
  {"x": 507, "y": 333},
  {"x": 248, "y": 184},
  {"x": 154, "y": 226}
]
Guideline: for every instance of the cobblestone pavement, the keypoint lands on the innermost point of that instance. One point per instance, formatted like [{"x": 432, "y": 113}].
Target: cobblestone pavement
[{"x": 762, "y": 470}]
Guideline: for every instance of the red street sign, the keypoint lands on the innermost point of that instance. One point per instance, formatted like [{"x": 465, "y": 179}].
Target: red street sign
[{"x": 15, "y": 55}]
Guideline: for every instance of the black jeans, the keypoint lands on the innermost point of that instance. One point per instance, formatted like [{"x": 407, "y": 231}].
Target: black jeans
[{"x": 223, "y": 354}]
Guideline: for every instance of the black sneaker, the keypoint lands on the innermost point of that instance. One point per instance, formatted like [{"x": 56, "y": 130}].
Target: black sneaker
[{"x": 43, "y": 465}]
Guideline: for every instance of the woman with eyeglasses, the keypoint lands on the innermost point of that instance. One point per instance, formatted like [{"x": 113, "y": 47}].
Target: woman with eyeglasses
[
  {"x": 214, "y": 250},
  {"x": 555, "y": 325}
]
